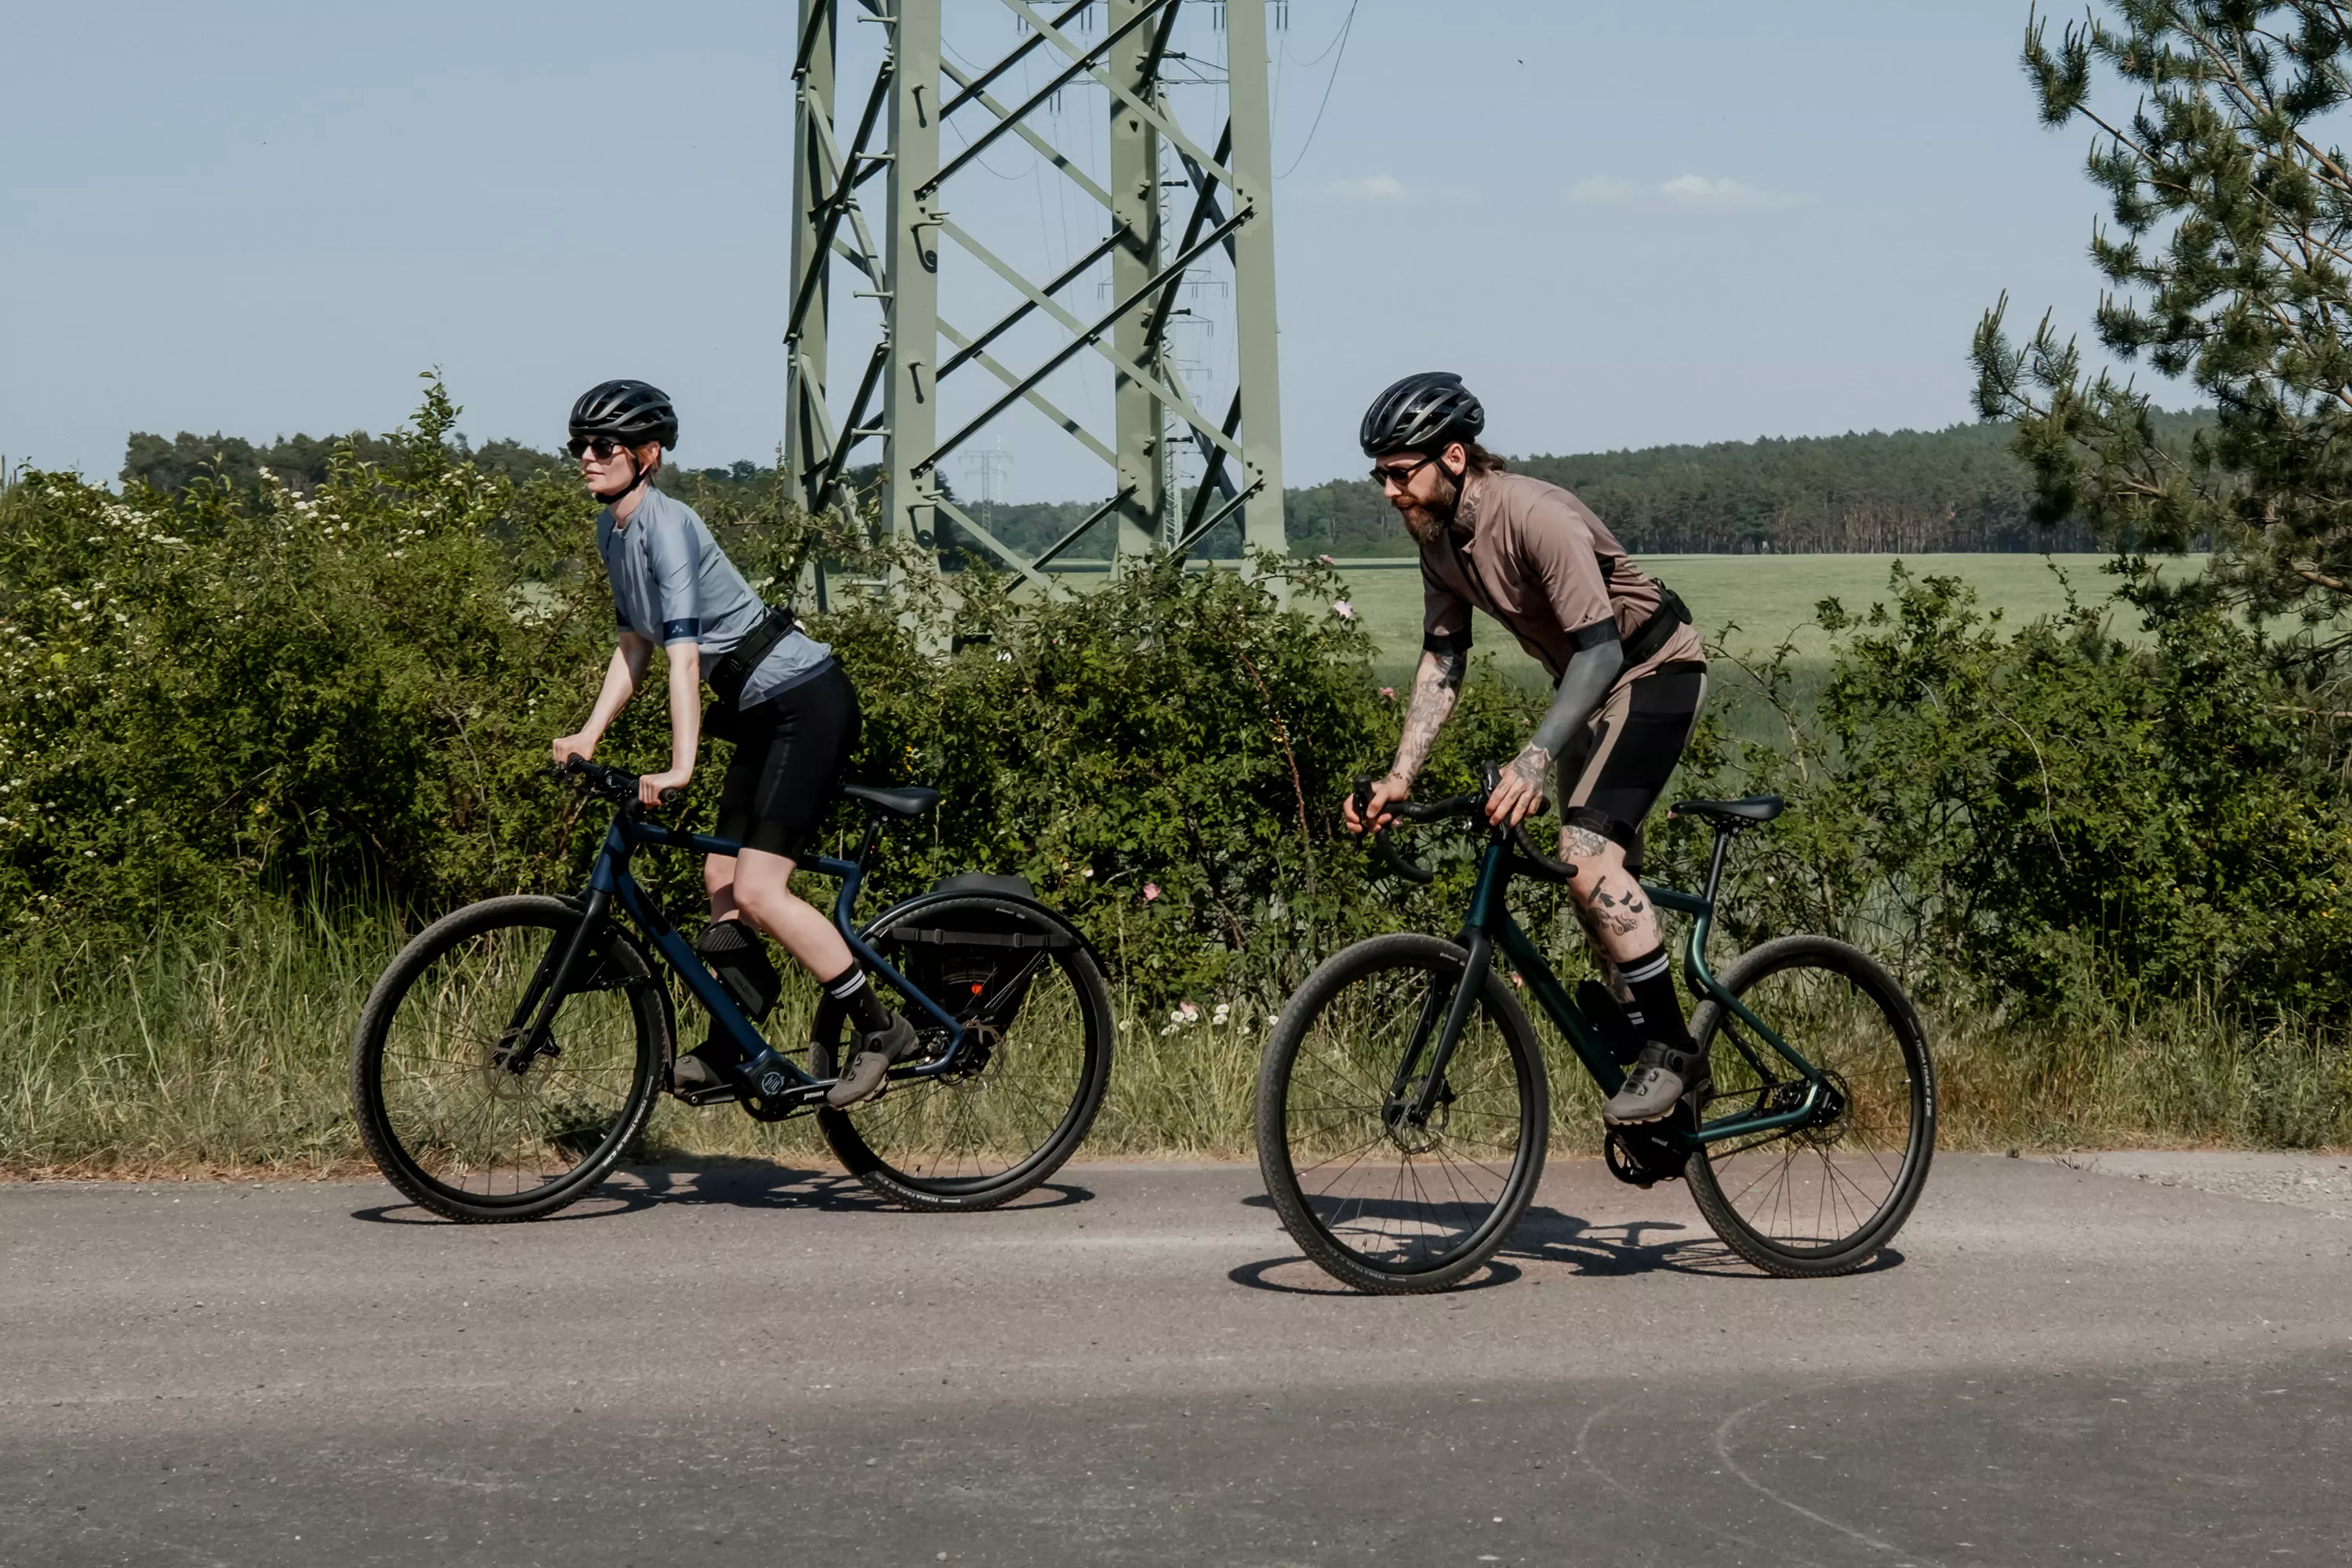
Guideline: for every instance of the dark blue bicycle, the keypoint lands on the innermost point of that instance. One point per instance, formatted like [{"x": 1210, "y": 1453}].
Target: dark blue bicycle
[{"x": 511, "y": 1054}]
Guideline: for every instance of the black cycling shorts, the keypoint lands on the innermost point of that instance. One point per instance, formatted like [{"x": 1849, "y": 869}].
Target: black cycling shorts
[
  {"x": 1629, "y": 751},
  {"x": 790, "y": 754}
]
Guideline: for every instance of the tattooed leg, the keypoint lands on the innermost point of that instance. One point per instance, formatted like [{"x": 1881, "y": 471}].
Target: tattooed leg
[{"x": 1615, "y": 908}]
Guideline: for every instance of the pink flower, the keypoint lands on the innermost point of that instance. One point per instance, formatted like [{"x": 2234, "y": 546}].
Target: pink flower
[
  {"x": 1150, "y": 891},
  {"x": 1389, "y": 692},
  {"x": 1327, "y": 560},
  {"x": 1344, "y": 610},
  {"x": 1189, "y": 1011}
]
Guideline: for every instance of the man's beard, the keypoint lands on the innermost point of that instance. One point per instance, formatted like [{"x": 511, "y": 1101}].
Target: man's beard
[{"x": 1428, "y": 524}]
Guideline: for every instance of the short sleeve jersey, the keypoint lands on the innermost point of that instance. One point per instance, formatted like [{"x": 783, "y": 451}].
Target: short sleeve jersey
[
  {"x": 1538, "y": 561},
  {"x": 671, "y": 582}
]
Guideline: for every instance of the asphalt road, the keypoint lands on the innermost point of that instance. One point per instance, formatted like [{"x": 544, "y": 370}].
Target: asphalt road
[{"x": 2060, "y": 1366}]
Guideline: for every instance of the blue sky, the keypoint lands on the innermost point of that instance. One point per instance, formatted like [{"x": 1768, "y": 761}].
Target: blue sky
[{"x": 1624, "y": 224}]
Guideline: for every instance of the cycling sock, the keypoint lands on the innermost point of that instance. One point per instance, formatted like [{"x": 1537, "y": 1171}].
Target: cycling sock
[
  {"x": 1655, "y": 1011},
  {"x": 865, "y": 1010}
]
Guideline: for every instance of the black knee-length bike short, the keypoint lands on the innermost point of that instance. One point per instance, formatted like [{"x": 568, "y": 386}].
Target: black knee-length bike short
[{"x": 790, "y": 754}]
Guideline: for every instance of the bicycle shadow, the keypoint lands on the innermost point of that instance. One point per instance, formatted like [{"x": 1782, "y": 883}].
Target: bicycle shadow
[
  {"x": 1543, "y": 1235},
  {"x": 731, "y": 1184}
]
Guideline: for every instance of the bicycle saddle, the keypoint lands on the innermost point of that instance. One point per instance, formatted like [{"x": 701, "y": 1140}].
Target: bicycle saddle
[
  {"x": 1754, "y": 808},
  {"x": 898, "y": 802}
]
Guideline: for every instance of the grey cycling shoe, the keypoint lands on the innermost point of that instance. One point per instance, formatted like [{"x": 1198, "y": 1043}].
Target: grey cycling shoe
[
  {"x": 894, "y": 1042},
  {"x": 1661, "y": 1078}
]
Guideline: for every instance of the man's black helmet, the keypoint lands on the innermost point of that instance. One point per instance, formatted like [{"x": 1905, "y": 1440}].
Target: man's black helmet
[
  {"x": 634, "y": 412},
  {"x": 1422, "y": 413}
]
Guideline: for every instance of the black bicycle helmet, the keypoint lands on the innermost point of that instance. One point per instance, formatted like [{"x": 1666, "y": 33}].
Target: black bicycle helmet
[
  {"x": 1422, "y": 413},
  {"x": 636, "y": 412}
]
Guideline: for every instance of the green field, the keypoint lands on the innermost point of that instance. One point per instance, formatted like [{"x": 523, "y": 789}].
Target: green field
[{"x": 1748, "y": 604}]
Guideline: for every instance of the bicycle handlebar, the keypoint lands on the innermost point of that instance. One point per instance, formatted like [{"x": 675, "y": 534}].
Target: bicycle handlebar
[
  {"x": 611, "y": 783},
  {"x": 1472, "y": 804}
]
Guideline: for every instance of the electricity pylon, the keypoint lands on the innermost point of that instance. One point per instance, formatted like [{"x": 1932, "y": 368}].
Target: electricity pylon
[{"x": 889, "y": 154}]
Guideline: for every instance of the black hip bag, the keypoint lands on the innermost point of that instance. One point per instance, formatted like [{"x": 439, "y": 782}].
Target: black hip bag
[
  {"x": 728, "y": 676},
  {"x": 1644, "y": 644}
]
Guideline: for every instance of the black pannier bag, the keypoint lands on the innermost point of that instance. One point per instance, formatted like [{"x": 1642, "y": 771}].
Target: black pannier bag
[{"x": 976, "y": 963}]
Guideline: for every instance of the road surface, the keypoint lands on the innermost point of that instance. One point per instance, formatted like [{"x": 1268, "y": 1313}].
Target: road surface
[{"x": 743, "y": 1365}]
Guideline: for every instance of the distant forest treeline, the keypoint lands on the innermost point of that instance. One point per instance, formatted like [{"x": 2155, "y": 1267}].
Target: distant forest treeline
[{"x": 1909, "y": 492}]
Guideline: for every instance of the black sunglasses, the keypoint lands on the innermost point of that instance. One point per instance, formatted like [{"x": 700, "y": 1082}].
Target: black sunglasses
[
  {"x": 604, "y": 446},
  {"x": 1384, "y": 475}
]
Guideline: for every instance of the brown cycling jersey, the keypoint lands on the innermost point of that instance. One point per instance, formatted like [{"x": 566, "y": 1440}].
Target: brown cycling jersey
[{"x": 1537, "y": 560}]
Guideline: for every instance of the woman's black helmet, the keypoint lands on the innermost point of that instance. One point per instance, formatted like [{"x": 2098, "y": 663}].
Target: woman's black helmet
[
  {"x": 634, "y": 412},
  {"x": 1422, "y": 413}
]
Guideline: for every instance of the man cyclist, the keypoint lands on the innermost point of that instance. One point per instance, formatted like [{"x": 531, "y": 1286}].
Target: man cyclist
[
  {"x": 778, "y": 694},
  {"x": 1628, "y": 669}
]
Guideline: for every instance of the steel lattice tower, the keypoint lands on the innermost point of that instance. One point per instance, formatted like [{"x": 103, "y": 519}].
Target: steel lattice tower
[{"x": 889, "y": 154}]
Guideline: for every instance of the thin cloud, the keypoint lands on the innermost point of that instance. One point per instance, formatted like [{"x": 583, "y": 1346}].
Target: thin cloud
[
  {"x": 1684, "y": 193},
  {"x": 1388, "y": 191}
]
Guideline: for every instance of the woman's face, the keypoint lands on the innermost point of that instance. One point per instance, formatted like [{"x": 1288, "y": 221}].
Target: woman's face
[{"x": 610, "y": 468}]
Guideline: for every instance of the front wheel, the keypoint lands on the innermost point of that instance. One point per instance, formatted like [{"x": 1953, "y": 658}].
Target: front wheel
[
  {"x": 451, "y": 1122},
  {"x": 1038, "y": 1018},
  {"x": 1385, "y": 1201},
  {"x": 1824, "y": 1197}
]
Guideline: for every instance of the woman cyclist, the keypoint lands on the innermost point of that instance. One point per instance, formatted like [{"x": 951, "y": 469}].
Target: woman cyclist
[{"x": 778, "y": 694}]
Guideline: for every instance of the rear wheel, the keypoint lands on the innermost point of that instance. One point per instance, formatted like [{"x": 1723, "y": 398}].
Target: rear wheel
[
  {"x": 1825, "y": 1197},
  {"x": 1041, "y": 1024},
  {"x": 1381, "y": 1203},
  {"x": 449, "y": 1122}
]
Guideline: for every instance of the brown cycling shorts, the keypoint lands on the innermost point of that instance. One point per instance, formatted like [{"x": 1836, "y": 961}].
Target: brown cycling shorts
[{"x": 1628, "y": 752}]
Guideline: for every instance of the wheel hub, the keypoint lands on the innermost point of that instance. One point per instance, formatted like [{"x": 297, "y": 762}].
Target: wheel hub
[
  {"x": 503, "y": 1076},
  {"x": 1417, "y": 1137}
]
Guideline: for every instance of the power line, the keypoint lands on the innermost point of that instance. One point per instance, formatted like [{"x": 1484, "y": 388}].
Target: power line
[{"x": 1345, "y": 28}]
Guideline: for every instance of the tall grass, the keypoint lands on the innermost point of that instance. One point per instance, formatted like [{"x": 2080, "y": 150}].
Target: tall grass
[{"x": 223, "y": 1048}]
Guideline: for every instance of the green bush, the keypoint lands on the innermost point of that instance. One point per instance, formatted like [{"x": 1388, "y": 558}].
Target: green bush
[{"x": 2056, "y": 814}]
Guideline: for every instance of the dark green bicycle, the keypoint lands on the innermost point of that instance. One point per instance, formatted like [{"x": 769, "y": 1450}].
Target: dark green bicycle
[{"x": 1403, "y": 1106}]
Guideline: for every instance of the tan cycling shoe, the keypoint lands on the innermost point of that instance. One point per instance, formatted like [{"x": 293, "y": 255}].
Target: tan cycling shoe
[
  {"x": 1661, "y": 1077},
  {"x": 894, "y": 1042}
]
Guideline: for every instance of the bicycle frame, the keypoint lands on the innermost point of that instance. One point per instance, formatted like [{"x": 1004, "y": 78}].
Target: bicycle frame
[
  {"x": 611, "y": 882},
  {"x": 1489, "y": 928}
]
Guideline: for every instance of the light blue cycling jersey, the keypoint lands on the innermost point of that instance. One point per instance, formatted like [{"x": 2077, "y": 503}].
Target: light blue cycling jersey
[{"x": 671, "y": 582}]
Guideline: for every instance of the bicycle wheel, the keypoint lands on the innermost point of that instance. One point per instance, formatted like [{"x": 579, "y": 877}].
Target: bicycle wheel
[
  {"x": 452, "y": 1128},
  {"x": 1379, "y": 1205},
  {"x": 995, "y": 1127},
  {"x": 1822, "y": 1199}
]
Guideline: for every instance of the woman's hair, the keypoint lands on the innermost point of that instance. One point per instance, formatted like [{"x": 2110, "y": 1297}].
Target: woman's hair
[{"x": 1480, "y": 460}]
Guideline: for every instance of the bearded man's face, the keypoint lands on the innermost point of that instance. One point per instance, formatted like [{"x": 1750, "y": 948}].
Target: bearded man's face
[{"x": 1423, "y": 492}]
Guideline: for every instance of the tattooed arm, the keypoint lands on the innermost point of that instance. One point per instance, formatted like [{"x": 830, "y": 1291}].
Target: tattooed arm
[
  {"x": 1436, "y": 685},
  {"x": 1583, "y": 686}
]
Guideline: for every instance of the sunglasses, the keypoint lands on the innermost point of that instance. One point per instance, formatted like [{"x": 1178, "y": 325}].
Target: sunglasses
[
  {"x": 1385, "y": 475},
  {"x": 604, "y": 446}
]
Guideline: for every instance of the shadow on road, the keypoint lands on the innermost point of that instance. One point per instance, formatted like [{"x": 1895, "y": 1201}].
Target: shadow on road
[
  {"x": 732, "y": 1183},
  {"x": 1548, "y": 1235}
]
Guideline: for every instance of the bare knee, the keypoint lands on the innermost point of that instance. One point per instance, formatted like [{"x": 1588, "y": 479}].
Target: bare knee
[
  {"x": 1600, "y": 863},
  {"x": 762, "y": 886}
]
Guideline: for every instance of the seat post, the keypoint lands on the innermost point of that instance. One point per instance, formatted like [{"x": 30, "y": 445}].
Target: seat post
[
  {"x": 872, "y": 837},
  {"x": 1724, "y": 833}
]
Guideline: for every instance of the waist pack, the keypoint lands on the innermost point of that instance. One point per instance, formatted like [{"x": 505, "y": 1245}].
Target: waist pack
[
  {"x": 977, "y": 964},
  {"x": 1653, "y": 632},
  {"x": 728, "y": 674}
]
